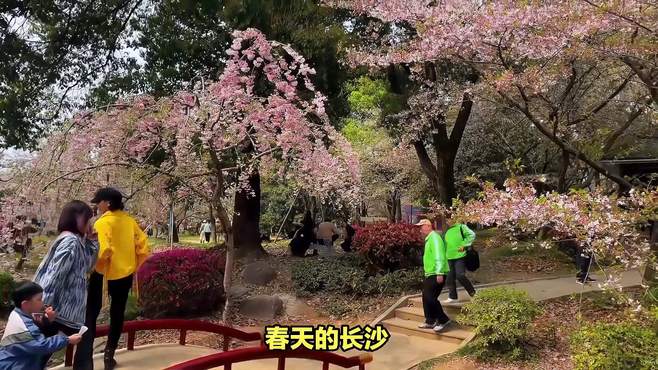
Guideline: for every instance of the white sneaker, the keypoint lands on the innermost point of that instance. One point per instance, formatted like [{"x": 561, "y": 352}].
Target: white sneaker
[
  {"x": 450, "y": 300},
  {"x": 425, "y": 326},
  {"x": 440, "y": 327}
]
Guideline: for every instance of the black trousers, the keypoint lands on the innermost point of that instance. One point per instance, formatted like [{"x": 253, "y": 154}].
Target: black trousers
[
  {"x": 118, "y": 291},
  {"x": 583, "y": 260},
  {"x": 431, "y": 305},
  {"x": 207, "y": 236},
  {"x": 458, "y": 272}
]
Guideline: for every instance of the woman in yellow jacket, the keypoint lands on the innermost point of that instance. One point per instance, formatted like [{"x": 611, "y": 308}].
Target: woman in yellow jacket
[{"x": 123, "y": 248}]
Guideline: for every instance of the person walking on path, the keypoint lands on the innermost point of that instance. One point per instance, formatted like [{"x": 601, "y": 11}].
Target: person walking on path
[
  {"x": 458, "y": 238},
  {"x": 435, "y": 266},
  {"x": 63, "y": 271},
  {"x": 206, "y": 230},
  {"x": 123, "y": 248},
  {"x": 584, "y": 262}
]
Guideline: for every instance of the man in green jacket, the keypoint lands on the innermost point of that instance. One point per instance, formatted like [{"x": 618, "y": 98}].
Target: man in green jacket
[
  {"x": 458, "y": 238},
  {"x": 435, "y": 265}
]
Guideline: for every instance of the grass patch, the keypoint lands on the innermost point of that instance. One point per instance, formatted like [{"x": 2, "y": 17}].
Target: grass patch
[
  {"x": 188, "y": 240},
  {"x": 526, "y": 248}
]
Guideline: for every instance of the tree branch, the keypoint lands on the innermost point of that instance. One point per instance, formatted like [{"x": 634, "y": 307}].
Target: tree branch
[
  {"x": 425, "y": 162},
  {"x": 623, "y": 183},
  {"x": 610, "y": 141},
  {"x": 461, "y": 121},
  {"x": 628, "y": 19},
  {"x": 604, "y": 103}
]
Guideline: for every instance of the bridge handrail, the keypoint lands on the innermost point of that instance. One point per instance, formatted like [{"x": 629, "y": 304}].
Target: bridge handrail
[
  {"x": 131, "y": 327},
  {"x": 226, "y": 359}
]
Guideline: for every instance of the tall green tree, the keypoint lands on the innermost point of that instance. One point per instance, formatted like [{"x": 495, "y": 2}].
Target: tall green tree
[{"x": 50, "y": 50}]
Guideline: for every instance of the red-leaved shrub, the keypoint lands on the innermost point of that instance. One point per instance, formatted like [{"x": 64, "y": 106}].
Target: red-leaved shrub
[
  {"x": 181, "y": 282},
  {"x": 389, "y": 246}
]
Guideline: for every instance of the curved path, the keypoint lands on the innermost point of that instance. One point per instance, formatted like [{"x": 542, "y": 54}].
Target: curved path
[{"x": 152, "y": 356}]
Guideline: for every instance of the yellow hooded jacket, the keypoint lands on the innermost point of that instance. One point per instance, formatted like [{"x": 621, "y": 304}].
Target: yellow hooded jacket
[{"x": 123, "y": 245}]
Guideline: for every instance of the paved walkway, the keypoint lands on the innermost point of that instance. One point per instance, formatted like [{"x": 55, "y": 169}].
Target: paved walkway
[
  {"x": 541, "y": 290},
  {"x": 151, "y": 357},
  {"x": 401, "y": 352}
]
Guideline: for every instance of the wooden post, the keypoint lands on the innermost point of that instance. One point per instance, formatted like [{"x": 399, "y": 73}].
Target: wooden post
[
  {"x": 131, "y": 340},
  {"x": 183, "y": 337},
  {"x": 68, "y": 359}
]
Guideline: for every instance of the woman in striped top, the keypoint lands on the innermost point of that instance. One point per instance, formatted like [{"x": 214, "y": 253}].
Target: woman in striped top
[{"x": 64, "y": 271}]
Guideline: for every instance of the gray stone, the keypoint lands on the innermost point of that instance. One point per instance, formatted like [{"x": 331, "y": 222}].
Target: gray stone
[
  {"x": 238, "y": 291},
  {"x": 263, "y": 307},
  {"x": 294, "y": 306},
  {"x": 259, "y": 273}
]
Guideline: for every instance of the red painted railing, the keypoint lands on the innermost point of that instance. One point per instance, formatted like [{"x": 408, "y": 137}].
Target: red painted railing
[
  {"x": 227, "y": 359},
  {"x": 131, "y": 327}
]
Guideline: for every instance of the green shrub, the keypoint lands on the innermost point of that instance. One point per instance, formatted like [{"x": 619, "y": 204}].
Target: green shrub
[
  {"x": 348, "y": 275},
  {"x": 501, "y": 317},
  {"x": 651, "y": 297},
  {"x": 608, "y": 299},
  {"x": 330, "y": 274},
  {"x": 392, "y": 283},
  {"x": 7, "y": 285},
  {"x": 132, "y": 308},
  {"x": 614, "y": 346},
  {"x": 653, "y": 317},
  {"x": 337, "y": 307}
]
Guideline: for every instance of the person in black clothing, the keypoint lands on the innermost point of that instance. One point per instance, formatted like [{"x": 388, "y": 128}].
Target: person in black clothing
[
  {"x": 584, "y": 262},
  {"x": 304, "y": 237},
  {"x": 349, "y": 235},
  {"x": 569, "y": 245},
  {"x": 299, "y": 243}
]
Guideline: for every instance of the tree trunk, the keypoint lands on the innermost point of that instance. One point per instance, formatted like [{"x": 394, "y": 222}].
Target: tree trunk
[
  {"x": 394, "y": 206},
  {"x": 562, "y": 185},
  {"x": 227, "y": 229},
  {"x": 175, "y": 237},
  {"x": 246, "y": 221},
  {"x": 398, "y": 208},
  {"x": 445, "y": 179},
  {"x": 213, "y": 223},
  {"x": 442, "y": 175},
  {"x": 390, "y": 206}
]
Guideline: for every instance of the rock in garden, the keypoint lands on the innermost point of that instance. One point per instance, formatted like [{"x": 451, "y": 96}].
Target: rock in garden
[
  {"x": 259, "y": 273},
  {"x": 238, "y": 291},
  {"x": 263, "y": 307},
  {"x": 297, "y": 307}
]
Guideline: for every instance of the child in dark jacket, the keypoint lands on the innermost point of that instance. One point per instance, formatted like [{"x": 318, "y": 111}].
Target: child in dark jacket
[{"x": 23, "y": 345}]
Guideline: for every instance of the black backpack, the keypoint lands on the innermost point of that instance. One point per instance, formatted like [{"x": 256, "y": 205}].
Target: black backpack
[{"x": 472, "y": 259}]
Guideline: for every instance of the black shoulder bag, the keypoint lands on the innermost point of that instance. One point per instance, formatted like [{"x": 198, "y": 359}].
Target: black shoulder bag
[{"x": 472, "y": 258}]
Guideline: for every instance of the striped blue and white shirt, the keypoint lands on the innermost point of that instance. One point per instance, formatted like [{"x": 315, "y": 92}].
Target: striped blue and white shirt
[{"x": 63, "y": 275}]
